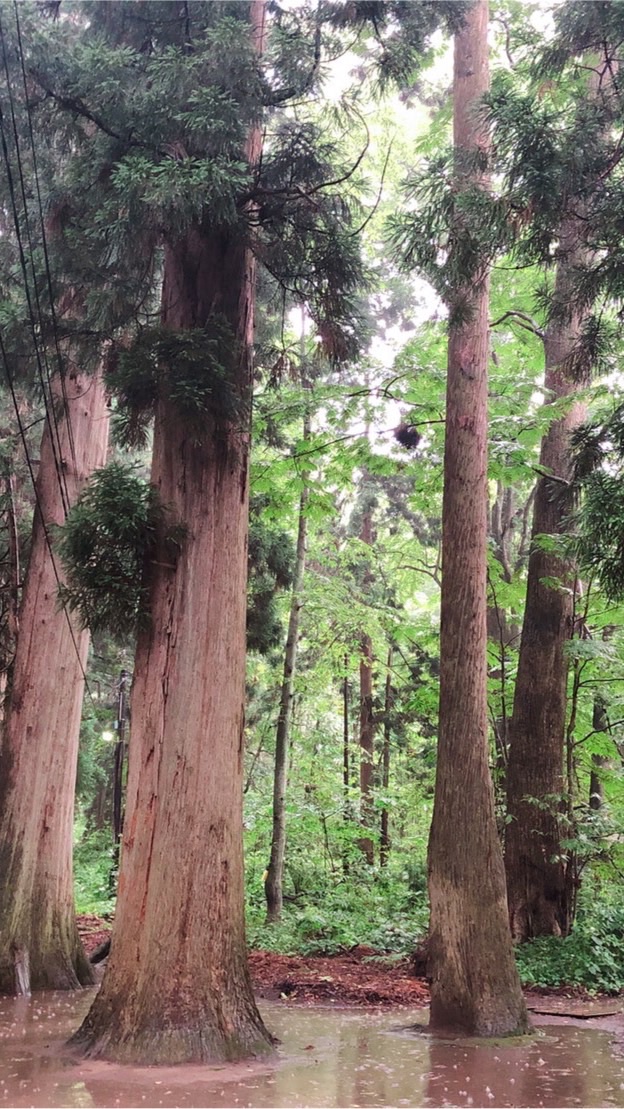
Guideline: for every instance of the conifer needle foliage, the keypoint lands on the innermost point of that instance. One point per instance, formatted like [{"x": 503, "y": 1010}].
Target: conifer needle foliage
[
  {"x": 599, "y": 477},
  {"x": 105, "y": 544},
  {"x": 190, "y": 368}
]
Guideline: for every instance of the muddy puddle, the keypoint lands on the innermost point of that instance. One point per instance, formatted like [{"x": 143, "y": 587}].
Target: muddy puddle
[{"x": 326, "y": 1058}]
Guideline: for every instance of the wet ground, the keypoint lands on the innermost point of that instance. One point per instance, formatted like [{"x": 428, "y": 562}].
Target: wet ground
[{"x": 328, "y": 1057}]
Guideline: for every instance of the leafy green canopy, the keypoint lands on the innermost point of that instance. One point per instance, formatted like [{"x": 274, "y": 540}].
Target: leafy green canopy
[
  {"x": 558, "y": 131},
  {"x": 557, "y": 124},
  {"x": 397, "y": 32}
]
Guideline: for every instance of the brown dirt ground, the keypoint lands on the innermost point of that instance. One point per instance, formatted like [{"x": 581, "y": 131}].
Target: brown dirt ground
[
  {"x": 357, "y": 977},
  {"x": 363, "y": 977}
]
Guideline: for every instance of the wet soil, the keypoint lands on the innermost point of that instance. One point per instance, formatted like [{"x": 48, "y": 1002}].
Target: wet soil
[{"x": 358, "y": 977}]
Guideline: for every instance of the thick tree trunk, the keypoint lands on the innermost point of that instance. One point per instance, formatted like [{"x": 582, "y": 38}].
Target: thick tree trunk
[
  {"x": 346, "y": 767},
  {"x": 538, "y": 894},
  {"x": 177, "y": 986},
  {"x": 539, "y": 891},
  {"x": 275, "y": 872},
  {"x": 346, "y": 770},
  {"x": 39, "y": 944},
  {"x": 475, "y": 987}
]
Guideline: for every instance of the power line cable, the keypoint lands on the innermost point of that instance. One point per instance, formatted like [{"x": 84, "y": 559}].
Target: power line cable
[
  {"x": 42, "y": 364},
  {"x": 52, "y": 424},
  {"x": 48, "y": 403},
  {"x": 39, "y": 507},
  {"x": 59, "y": 358}
]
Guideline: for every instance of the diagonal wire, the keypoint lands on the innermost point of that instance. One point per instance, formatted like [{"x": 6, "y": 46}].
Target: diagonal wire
[
  {"x": 42, "y": 364},
  {"x": 40, "y": 510},
  {"x": 59, "y": 358},
  {"x": 52, "y": 424}
]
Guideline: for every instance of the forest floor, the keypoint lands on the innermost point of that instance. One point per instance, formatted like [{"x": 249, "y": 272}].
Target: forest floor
[{"x": 362, "y": 976}]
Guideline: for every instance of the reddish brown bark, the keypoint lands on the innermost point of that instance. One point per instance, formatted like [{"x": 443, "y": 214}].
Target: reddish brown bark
[
  {"x": 475, "y": 987},
  {"x": 538, "y": 889},
  {"x": 39, "y": 944},
  {"x": 177, "y": 986}
]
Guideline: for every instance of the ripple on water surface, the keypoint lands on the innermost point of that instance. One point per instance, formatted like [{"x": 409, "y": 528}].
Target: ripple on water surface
[{"x": 326, "y": 1058}]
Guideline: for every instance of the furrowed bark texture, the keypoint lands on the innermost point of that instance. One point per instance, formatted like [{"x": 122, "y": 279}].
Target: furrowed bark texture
[
  {"x": 273, "y": 888},
  {"x": 475, "y": 987},
  {"x": 538, "y": 890},
  {"x": 177, "y": 986},
  {"x": 39, "y": 944}
]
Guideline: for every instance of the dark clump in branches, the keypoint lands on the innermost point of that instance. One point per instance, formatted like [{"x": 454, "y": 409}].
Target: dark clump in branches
[{"x": 408, "y": 436}]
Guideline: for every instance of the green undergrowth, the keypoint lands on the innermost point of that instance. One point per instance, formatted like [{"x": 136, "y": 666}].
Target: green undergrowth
[
  {"x": 592, "y": 957},
  {"x": 384, "y": 912},
  {"x": 93, "y": 862}
]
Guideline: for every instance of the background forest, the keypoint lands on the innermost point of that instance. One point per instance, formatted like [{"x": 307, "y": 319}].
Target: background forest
[{"x": 359, "y": 224}]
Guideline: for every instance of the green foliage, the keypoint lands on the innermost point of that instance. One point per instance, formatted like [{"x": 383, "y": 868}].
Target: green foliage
[
  {"x": 450, "y": 232},
  {"x": 93, "y": 860},
  {"x": 592, "y": 956},
  {"x": 399, "y": 31},
  {"x": 599, "y": 466},
  {"x": 155, "y": 107},
  {"x": 372, "y": 910},
  {"x": 105, "y": 545},
  {"x": 191, "y": 369},
  {"x": 271, "y": 557}
]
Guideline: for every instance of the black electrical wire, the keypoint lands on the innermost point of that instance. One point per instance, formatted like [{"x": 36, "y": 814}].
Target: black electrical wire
[
  {"x": 42, "y": 364},
  {"x": 52, "y": 423},
  {"x": 59, "y": 358},
  {"x": 44, "y": 525}
]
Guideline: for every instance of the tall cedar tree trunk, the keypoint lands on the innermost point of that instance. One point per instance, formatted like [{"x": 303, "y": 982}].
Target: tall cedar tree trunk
[
  {"x": 475, "y": 987},
  {"x": 39, "y": 944},
  {"x": 274, "y": 880},
  {"x": 177, "y": 986},
  {"x": 539, "y": 895},
  {"x": 367, "y": 720},
  {"x": 384, "y": 836}
]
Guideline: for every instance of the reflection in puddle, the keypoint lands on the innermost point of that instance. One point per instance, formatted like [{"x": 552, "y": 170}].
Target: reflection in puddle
[{"x": 326, "y": 1058}]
